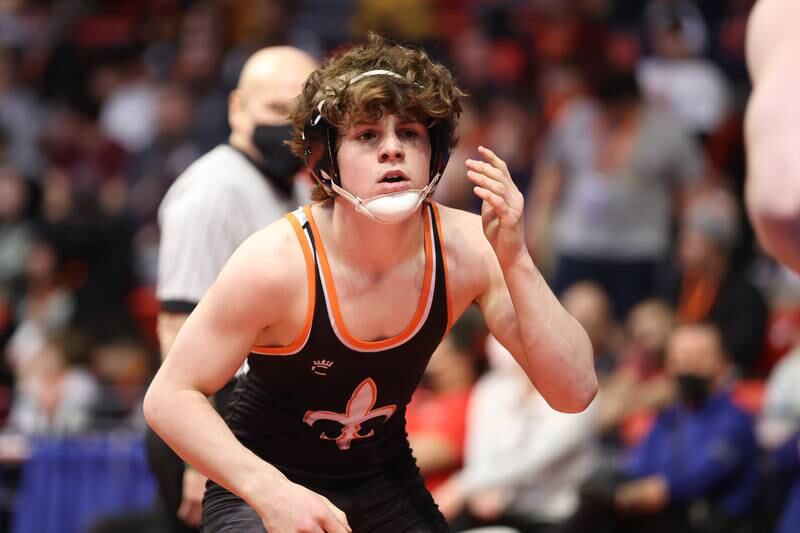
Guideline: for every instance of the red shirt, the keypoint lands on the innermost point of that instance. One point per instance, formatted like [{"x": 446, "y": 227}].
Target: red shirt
[{"x": 443, "y": 415}]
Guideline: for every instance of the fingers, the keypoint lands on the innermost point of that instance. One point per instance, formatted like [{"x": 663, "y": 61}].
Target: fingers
[
  {"x": 486, "y": 183},
  {"x": 191, "y": 512},
  {"x": 493, "y": 167},
  {"x": 491, "y": 174},
  {"x": 493, "y": 158},
  {"x": 488, "y": 170},
  {"x": 496, "y": 201},
  {"x": 331, "y": 524},
  {"x": 339, "y": 515},
  {"x": 495, "y": 187}
]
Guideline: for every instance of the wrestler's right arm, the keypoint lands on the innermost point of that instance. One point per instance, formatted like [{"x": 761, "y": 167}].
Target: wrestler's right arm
[
  {"x": 772, "y": 128},
  {"x": 209, "y": 348}
]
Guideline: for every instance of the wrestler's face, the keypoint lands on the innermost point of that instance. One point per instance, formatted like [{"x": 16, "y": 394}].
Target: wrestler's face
[{"x": 390, "y": 155}]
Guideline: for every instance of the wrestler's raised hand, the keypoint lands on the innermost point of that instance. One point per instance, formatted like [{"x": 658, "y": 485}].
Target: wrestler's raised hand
[{"x": 502, "y": 209}]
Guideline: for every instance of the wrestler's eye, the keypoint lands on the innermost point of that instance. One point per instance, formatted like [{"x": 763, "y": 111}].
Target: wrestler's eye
[
  {"x": 366, "y": 135},
  {"x": 409, "y": 134}
]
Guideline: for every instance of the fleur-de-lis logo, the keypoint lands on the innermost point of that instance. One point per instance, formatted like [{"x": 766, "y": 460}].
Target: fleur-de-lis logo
[{"x": 359, "y": 410}]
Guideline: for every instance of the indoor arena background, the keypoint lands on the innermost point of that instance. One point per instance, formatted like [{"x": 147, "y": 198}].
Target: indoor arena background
[{"x": 104, "y": 102}]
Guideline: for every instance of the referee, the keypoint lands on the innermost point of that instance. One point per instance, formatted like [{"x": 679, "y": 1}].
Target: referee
[{"x": 229, "y": 193}]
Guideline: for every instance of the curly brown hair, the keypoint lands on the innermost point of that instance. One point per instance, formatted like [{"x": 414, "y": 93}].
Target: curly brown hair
[{"x": 425, "y": 91}]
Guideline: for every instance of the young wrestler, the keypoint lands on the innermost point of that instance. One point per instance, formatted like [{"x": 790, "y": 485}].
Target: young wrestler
[{"x": 338, "y": 306}]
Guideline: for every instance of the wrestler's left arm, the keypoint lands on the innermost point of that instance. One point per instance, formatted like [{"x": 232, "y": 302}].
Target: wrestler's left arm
[{"x": 519, "y": 307}]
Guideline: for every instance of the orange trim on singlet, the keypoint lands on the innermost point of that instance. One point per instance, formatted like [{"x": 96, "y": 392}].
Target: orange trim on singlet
[
  {"x": 438, "y": 220},
  {"x": 302, "y": 337},
  {"x": 340, "y": 325}
]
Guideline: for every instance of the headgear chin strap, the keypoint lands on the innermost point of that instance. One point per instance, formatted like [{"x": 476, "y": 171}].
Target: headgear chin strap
[
  {"x": 389, "y": 208},
  {"x": 319, "y": 151}
]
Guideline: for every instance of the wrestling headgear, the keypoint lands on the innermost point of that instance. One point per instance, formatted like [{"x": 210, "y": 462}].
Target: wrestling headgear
[{"x": 319, "y": 151}]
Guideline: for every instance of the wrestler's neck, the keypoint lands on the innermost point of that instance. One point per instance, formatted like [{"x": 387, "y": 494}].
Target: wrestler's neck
[{"x": 369, "y": 245}]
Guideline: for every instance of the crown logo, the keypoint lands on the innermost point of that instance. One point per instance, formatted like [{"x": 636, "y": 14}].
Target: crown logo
[{"x": 321, "y": 367}]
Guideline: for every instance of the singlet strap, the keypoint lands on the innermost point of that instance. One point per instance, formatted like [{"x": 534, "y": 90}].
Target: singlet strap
[
  {"x": 440, "y": 237},
  {"x": 300, "y": 225}
]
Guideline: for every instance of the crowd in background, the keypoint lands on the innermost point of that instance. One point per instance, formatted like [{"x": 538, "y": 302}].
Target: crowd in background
[{"x": 620, "y": 120}]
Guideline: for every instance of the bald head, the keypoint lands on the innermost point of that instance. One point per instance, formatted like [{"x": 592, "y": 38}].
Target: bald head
[
  {"x": 270, "y": 79},
  {"x": 278, "y": 66}
]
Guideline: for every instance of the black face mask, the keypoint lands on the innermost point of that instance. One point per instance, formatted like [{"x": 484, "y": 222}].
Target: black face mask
[
  {"x": 693, "y": 390},
  {"x": 279, "y": 163}
]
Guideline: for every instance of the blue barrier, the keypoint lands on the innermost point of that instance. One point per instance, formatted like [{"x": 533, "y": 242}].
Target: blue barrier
[{"x": 68, "y": 483}]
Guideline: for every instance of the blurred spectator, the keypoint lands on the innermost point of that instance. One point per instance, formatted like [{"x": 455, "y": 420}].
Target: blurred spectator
[
  {"x": 171, "y": 150},
  {"x": 128, "y": 103},
  {"x": 453, "y": 189},
  {"x": 622, "y": 50},
  {"x": 606, "y": 180},
  {"x": 511, "y": 126},
  {"x": 94, "y": 243},
  {"x": 730, "y": 43},
  {"x": 470, "y": 52},
  {"x": 196, "y": 66},
  {"x": 504, "y": 122},
  {"x": 649, "y": 326},
  {"x": 589, "y": 303},
  {"x": 677, "y": 78},
  {"x": 436, "y": 418},
  {"x": 16, "y": 228},
  {"x": 706, "y": 285},
  {"x": 404, "y": 20},
  {"x": 685, "y": 15},
  {"x": 565, "y": 33},
  {"x": 20, "y": 118},
  {"x": 255, "y": 25},
  {"x": 74, "y": 142},
  {"x": 524, "y": 462},
  {"x": 123, "y": 367},
  {"x": 44, "y": 307},
  {"x": 57, "y": 393},
  {"x": 557, "y": 87},
  {"x": 639, "y": 385},
  {"x": 327, "y": 21},
  {"x": 696, "y": 471}
]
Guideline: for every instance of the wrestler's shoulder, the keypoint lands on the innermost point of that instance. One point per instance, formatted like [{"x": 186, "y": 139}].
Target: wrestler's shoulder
[
  {"x": 274, "y": 252},
  {"x": 459, "y": 227}
]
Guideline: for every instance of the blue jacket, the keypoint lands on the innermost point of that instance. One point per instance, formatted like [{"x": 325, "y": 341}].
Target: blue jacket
[{"x": 706, "y": 454}]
